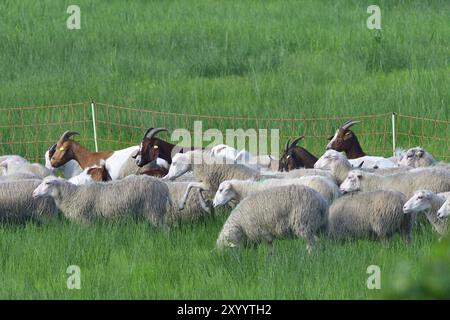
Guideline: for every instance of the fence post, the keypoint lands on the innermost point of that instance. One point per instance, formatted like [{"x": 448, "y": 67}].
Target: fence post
[
  {"x": 394, "y": 138},
  {"x": 94, "y": 124}
]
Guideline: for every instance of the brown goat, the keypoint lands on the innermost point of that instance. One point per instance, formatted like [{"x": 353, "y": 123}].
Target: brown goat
[
  {"x": 295, "y": 157},
  {"x": 99, "y": 173},
  {"x": 345, "y": 140},
  {"x": 67, "y": 149},
  {"x": 152, "y": 148}
]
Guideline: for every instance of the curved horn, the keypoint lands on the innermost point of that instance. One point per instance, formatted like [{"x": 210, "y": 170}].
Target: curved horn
[
  {"x": 286, "y": 147},
  {"x": 294, "y": 143},
  {"x": 348, "y": 124},
  {"x": 66, "y": 135},
  {"x": 152, "y": 131},
  {"x": 52, "y": 149}
]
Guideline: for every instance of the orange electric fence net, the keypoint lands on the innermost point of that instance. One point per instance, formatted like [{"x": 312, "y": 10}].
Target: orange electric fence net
[{"x": 29, "y": 131}]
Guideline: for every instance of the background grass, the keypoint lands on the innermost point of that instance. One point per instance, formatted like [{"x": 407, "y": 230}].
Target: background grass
[{"x": 265, "y": 59}]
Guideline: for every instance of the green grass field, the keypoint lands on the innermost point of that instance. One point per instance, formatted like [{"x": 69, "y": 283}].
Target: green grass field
[{"x": 266, "y": 59}]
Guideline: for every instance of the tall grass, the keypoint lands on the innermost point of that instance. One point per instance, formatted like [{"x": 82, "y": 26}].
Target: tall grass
[{"x": 130, "y": 260}]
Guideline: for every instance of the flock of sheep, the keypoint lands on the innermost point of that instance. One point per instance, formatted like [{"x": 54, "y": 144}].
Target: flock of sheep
[{"x": 343, "y": 194}]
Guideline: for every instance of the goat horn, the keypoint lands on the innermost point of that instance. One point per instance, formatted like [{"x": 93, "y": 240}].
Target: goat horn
[
  {"x": 152, "y": 131},
  {"x": 52, "y": 149},
  {"x": 286, "y": 147},
  {"x": 294, "y": 143},
  {"x": 348, "y": 124},
  {"x": 66, "y": 135}
]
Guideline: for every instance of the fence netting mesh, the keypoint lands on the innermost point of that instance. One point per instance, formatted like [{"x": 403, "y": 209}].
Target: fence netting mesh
[{"x": 29, "y": 131}]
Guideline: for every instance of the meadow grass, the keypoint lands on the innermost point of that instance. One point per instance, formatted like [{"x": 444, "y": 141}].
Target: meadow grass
[
  {"x": 266, "y": 59},
  {"x": 131, "y": 260}
]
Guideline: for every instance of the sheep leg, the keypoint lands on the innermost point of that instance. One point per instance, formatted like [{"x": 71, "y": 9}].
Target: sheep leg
[
  {"x": 310, "y": 242},
  {"x": 270, "y": 245},
  {"x": 191, "y": 185},
  {"x": 203, "y": 203}
]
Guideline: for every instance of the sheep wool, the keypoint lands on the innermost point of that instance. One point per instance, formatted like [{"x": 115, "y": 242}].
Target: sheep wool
[
  {"x": 366, "y": 214},
  {"x": 276, "y": 213}
]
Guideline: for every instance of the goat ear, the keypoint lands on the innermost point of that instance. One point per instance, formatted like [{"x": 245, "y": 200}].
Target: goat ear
[
  {"x": 134, "y": 154},
  {"x": 329, "y": 138}
]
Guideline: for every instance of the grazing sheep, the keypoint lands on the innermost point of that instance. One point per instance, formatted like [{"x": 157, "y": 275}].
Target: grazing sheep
[
  {"x": 336, "y": 162},
  {"x": 195, "y": 207},
  {"x": 136, "y": 196},
  {"x": 276, "y": 213},
  {"x": 366, "y": 214},
  {"x": 433, "y": 179},
  {"x": 267, "y": 162},
  {"x": 12, "y": 166},
  {"x": 429, "y": 203},
  {"x": 417, "y": 157},
  {"x": 372, "y": 162},
  {"x": 240, "y": 189},
  {"x": 444, "y": 211},
  {"x": 18, "y": 205},
  {"x": 19, "y": 176},
  {"x": 340, "y": 166},
  {"x": 210, "y": 171},
  {"x": 298, "y": 173},
  {"x": 13, "y": 157}
]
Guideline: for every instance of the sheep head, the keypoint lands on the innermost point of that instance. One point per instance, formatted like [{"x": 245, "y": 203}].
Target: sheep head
[
  {"x": 420, "y": 201},
  {"x": 151, "y": 147},
  {"x": 224, "y": 194},
  {"x": 353, "y": 182},
  {"x": 444, "y": 211},
  {"x": 48, "y": 187}
]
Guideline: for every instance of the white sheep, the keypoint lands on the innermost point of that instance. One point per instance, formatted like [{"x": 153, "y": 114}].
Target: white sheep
[
  {"x": 209, "y": 171},
  {"x": 444, "y": 211},
  {"x": 19, "y": 176},
  {"x": 372, "y": 162},
  {"x": 195, "y": 207},
  {"x": 135, "y": 196},
  {"x": 428, "y": 202},
  {"x": 239, "y": 189},
  {"x": 18, "y": 205},
  {"x": 433, "y": 179},
  {"x": 340, "y": 166},
  {"x": 276, "y": 213},
  {"x": 416, "y": 157},
  {"x": 12, "y": 166},
  {"x": 364, "y": 214}
]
